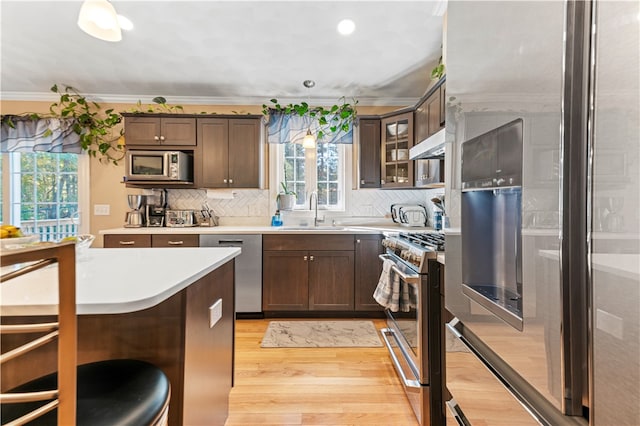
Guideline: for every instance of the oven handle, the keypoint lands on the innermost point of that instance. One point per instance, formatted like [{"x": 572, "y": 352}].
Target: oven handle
[
  {"x": 412, "y": 279},
  {"x": 396, "y": 363}
]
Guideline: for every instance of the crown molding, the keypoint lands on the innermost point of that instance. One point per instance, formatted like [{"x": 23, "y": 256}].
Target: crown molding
[{"x": 204, "y": 100}]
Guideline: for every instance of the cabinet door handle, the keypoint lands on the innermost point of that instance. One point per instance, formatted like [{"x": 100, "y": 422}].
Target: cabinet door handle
[
  {"x": 230, "y": 180},
  {"x": 155, "y": 138},
  {"x": 126, "y": 243},
  {"x": 311, "y": 258},
  {"x": 162, "y": 138},
  {"x": 357, "y": 241},
  {"x": 224, "y": 180},
  {"x": 362, "y": 182},
  {"x": 175, "y": 243},
  {"x": 304, "y": 258}
]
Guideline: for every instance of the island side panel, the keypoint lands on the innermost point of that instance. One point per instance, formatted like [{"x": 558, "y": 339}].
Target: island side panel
[
  {"x": 157, "y": 335},
  {"x": 208, "y": 366}
]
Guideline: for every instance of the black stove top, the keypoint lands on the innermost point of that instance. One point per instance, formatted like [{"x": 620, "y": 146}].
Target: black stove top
[{"x": 427, "y": 240}]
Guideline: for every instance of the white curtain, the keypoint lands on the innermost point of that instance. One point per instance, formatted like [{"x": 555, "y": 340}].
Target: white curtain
[
  {"x": 40, "y": 135},
  {"x": 283, "y": 128}
]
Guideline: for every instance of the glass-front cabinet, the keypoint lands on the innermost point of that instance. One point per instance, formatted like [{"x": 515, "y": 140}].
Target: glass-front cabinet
[{"x": 397, "y": 138}]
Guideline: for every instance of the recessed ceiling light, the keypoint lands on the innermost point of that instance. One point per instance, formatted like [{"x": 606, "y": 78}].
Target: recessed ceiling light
[
  {"x": 346, "y": 27},
  {"x": 125, "y": 23}
]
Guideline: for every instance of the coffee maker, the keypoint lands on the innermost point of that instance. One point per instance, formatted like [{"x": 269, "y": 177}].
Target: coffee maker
[
  {"x": 135, "y": 217},
  {"x": 156, "y": 207}
]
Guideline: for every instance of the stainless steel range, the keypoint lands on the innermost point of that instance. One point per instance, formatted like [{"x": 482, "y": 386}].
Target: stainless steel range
[{"x": 414, "y": 335}]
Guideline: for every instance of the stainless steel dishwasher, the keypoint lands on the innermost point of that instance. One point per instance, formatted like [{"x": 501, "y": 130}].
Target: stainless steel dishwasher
[{"x": 248, "y": 274}]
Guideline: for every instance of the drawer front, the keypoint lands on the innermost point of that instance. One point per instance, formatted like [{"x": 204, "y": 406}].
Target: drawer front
[
  {"x": 175, "y": 240},
  {"x": 127, "y": 241},
  {"x": 308, "y": 242}
]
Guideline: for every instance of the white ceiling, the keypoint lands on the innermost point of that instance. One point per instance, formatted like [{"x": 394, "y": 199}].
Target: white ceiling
[{"x": 224, "y": 52}]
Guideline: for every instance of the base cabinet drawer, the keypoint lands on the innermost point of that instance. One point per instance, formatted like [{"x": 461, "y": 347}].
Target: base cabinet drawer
[
  {"x": 175, "y": 240},
  {"x": 127, "y": 240}
]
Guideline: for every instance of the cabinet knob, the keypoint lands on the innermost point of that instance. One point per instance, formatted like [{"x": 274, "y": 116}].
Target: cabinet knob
[
  {"x": 304, "y": 258},
  {"x": 311, "y": 258},
  {"x": 230, "y": 180},
  {"x": 162, "y": 138},
  {"x": 357, "y": 241},
  {"x": 155, "y": 138},
  {"x": 224, "y": 180},
  {"x": 362, "y": 182}
]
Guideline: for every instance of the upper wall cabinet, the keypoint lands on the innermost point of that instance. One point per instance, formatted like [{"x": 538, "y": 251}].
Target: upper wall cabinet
[
  {"x": 369, "y": 152},
  {"x": 397, "y": 138},
  {"x": 150, "y": 130},
  {"x": 429, "y": 114},
  {"x": 230, "y": 152}
]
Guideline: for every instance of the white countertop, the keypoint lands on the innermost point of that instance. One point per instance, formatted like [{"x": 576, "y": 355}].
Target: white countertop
[
  {"x": 347, "y": 229},
  {"x": 114, "y": 280},
  {"x": 621, "y": 264}
]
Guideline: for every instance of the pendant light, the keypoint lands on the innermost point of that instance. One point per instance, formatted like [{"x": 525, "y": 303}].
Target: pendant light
[
  {"x": 99, "y": 19},
  {"x": 309, "y": 140}
]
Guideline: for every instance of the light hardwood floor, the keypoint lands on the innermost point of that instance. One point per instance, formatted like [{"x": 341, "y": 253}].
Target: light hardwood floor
[{"x": 309, "y": 386}]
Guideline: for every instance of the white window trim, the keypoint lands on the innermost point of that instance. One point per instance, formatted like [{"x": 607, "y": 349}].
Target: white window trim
[
  {"x": 84, "y": 188},
  {"x": 276, "y": 175}
]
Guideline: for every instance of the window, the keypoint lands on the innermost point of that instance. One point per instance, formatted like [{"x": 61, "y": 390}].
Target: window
[
  {"x": 321, "y": 169},
  {"x": 42, "y": 194}
]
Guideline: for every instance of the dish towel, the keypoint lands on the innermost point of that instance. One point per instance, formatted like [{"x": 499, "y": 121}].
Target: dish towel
[{"x": 390, "y": 292}]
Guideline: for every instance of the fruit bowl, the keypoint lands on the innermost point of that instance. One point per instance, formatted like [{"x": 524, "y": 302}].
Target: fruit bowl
[{"x": 18, "y": 242}]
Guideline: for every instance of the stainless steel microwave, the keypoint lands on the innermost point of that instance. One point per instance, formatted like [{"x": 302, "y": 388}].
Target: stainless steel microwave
[{"x": 147, "y": 166}]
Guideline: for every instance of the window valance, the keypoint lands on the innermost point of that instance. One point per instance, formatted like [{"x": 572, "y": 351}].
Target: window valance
[
  {"x": 283, "y": 128},
  {"x": 40, "y": 135}
]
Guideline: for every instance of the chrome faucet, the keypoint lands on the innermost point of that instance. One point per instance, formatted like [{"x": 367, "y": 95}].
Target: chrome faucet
[{"x": 314, "y": 195}]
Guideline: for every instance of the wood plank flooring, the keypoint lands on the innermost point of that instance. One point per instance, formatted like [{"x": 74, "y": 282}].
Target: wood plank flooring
[{"x": 313, "y": 386}]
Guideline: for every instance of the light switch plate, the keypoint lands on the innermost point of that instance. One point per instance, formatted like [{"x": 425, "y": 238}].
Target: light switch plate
[
  {"x": 215, "y": 313},
  {"x": 101, "y": 209}
]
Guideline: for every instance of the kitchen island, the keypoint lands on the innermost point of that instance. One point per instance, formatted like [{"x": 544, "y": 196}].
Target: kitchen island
[{"x": 170, "y": 307}]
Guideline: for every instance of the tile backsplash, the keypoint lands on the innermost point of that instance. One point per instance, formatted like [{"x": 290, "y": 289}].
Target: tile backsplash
[{"x": 256, "y": 206}]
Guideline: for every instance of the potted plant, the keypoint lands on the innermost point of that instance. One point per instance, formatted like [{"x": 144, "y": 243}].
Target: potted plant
[{"x": 286, "y": 198}]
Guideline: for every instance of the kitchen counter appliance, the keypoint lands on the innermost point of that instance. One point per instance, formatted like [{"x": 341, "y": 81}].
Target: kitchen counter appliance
[
  {"x": 180, "y": 218},
  {"x": 159, "y": 166},
  {"x": 248, "y": 270},
  {"x": 409, "y": 214},
  {"x": 414, "y": 339}
]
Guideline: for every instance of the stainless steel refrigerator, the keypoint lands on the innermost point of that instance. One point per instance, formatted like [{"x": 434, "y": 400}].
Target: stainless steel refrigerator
[{"x": 542, "y": 278}]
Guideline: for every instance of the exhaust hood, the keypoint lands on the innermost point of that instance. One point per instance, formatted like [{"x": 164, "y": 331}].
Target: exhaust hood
[{"x": 431, "y": 147}]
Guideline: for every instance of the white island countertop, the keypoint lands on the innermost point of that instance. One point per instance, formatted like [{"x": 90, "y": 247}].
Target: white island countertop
[{"x": 113, "y": 281}]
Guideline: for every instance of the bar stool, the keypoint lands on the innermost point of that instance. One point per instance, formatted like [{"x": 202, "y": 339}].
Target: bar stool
[{"x": 110, "y": 392}]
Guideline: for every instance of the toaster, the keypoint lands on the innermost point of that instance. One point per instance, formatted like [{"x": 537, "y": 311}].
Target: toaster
[{"x": 180, "y": 218}]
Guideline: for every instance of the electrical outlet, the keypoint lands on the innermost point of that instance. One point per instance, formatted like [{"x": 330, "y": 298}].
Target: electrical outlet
[
  {"x": 101, "y": 209},
  {"x": 215, "y": 313}
]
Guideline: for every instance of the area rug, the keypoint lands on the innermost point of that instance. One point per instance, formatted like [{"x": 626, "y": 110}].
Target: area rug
[{"x": 321, "y": 334}]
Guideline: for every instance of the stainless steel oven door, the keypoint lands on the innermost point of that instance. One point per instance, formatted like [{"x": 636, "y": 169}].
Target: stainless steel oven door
[{"x": 407, "y": 329}]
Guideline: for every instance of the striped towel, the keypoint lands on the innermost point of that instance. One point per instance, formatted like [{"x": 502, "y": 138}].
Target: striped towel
[{"x": 391, "y": 292}]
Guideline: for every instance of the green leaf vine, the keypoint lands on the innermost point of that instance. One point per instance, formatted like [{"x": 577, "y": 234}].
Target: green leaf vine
[{"x": 331, "y": 120}]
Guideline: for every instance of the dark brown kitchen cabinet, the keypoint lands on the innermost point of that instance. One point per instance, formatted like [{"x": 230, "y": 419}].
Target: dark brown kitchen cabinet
[
  {"x": 229, "y": 151},
  {"x": 153, "y": 130},
  {"x": 175, "y": 240},
  {"x": 148, "y": 240},
  {"x": 308, "y": 272},
  {"x": 397, "y": 138},
  {"x": 331, "y": 280},
  {"x": 369, "y": 153},
  {"x": 285, "y": 275},
  {"x": 127, "y": 240},
  {"x": 429, "y": 114},
  {"x": 368, "y": 268}
]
